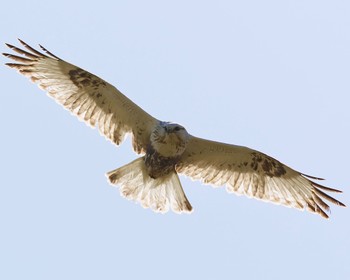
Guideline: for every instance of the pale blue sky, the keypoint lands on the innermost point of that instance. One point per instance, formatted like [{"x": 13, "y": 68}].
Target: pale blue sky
[{"x": 271, "y": 75}]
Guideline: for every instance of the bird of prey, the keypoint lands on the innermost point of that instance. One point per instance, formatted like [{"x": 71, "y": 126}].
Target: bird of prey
[{"x": 167, "y": 148}]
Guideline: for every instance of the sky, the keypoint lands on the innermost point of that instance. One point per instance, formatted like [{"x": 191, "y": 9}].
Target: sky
[{"x": 270, "y": 75}]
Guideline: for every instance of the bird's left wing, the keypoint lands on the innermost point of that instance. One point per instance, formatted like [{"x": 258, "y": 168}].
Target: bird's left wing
[
  {"x": 248, "y": 172},
  {"x": 87, "y": 96}
]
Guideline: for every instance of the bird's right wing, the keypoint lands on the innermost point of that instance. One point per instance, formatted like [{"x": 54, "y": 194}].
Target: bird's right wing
[
  {"x": 87, "y": 96},
  {"x": 248, "y": 172}
]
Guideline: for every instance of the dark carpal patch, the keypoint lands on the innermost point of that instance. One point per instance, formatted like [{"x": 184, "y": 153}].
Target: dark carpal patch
[
  {"x": 157, "y": 165},
  {"x": 82, "y": 79},
  {"x": 270, "y": 166}
]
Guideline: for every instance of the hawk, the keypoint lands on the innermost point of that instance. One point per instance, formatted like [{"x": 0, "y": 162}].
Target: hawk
[{"x": 167, "y": 148}]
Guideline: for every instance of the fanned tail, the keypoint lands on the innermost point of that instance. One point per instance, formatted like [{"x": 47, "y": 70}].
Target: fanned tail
[{"x": 159, "y": 194}]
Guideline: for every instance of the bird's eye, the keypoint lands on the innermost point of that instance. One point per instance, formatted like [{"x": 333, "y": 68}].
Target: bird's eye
[{"x": 177, "y": 128}]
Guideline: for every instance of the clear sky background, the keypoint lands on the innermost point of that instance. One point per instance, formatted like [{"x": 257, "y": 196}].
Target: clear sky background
[{"x": 270, "y": 75}]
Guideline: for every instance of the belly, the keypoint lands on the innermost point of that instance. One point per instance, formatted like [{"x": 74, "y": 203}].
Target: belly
[{"x": 158, "y": 165}]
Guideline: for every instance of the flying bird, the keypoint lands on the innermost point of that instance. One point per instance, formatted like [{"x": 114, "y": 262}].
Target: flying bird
[{"x": 167, "y": 148}]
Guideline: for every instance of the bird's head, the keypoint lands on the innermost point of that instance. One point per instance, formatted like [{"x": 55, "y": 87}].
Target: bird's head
[{"x": 169, "y": 139}]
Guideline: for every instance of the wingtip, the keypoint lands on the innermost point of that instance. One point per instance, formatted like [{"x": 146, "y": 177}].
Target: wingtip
[
  {"x": 322, "y": 213},
  {"x": 21, "y": 41},
  {"x": 9, "y": 46},
  {"x": 48, "y": 52},
  {"x": 7, "y": 55},
  {"x": 325, "y": 188},
  {"x": 341, "y": 204},
  {"x": 312, "y": 177}
]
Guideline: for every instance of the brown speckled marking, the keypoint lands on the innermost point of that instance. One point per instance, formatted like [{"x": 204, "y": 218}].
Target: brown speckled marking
[
  {"x": 85, "y": 82},
  {"x": 270, "y": 166},
  {"x": 81, "y": 79},
  {"x": 157, "y": 165}
]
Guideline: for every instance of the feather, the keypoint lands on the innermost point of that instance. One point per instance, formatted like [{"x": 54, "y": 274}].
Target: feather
[{"x": 158, "y": 194}]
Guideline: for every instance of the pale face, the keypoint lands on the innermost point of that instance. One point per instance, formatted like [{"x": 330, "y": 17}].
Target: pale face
[{"x": 169, "y": 139}]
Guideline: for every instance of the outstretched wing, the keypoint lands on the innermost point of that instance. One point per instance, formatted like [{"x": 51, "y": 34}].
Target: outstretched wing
[
  {"x": 254, "y": 174},
  {"x": 87, "y": 96}
]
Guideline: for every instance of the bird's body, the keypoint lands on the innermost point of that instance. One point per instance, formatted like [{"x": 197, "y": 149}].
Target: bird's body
[
  {"x": 168, "y": 141},
  {"x": 157, "y": 165},
  {"x": 167, "y": 148}
]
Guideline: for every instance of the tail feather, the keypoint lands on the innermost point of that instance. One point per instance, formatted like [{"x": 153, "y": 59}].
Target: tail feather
[{"x": 159, "y": 194}]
